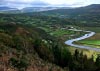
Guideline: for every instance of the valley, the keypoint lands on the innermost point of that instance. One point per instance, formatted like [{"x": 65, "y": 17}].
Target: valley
[{"x": 35, "y": 41}]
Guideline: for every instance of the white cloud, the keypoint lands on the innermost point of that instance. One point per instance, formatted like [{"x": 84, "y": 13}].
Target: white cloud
[
  {"x": 26, "y": 3},
  {"x": 63, "y": 1}
]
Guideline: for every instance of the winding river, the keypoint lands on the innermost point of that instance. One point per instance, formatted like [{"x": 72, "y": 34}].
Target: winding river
[{"x": 90, "y": 33}]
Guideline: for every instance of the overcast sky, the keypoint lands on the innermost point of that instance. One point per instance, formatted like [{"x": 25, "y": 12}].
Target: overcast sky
[{"x": 36, "y": 3}]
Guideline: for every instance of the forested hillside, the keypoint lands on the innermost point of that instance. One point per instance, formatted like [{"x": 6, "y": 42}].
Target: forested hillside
[
  {"x": 87, "y": 16},
  {"x": 24, "y": 46}
]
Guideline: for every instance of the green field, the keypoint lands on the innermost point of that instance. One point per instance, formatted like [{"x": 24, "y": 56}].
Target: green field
[
  {"x": 95, "y": 29},
  {"x": 58, "y": 32},
  {"x": 90, "y": 42}
]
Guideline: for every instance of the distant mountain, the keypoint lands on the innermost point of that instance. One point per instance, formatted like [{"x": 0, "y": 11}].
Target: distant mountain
[
  {"x": 88, "y": 14},
  {"x": 93, "y": 6},
  {"x": 29, "y": 9},
  {"x": 4, "y": 8},
  {"x": 39, "y": 9},
  {"x": 63, "y": 11},
  {"x": 75, "y": 11}
]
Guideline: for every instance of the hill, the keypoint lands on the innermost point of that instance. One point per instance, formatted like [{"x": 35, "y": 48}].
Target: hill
[
  {"x": 76, "y": 11},
  {"x": 21, "y": 48},
  {"x": 25, "y": 47},
  {"x": 88, "y": 15}
]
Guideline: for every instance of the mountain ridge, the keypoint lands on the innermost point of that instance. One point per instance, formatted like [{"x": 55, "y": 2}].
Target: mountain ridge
[
  {"x": 5, "y": 8},
  {"x": 39, "y": 9}
]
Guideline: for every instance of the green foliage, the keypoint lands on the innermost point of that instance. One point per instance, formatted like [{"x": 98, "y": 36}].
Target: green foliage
[
  {"x": 66, "y": 57},
  {"x": 57, "y": 53},
  {"x": 19, "y": 63},
  {"x": 98, "y": 61},
  {"x": 76, "y": 54},
  {"x": 18, "y": 42},
  {"x": 62, "y": 56},
  {"x": 43, "y": 51}
]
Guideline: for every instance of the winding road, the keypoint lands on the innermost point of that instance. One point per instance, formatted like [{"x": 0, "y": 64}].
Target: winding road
[{"x": 90, "y": 33}]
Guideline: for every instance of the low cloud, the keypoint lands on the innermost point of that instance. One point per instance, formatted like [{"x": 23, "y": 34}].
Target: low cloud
[
  {"x": 35, "y": 3},
  {"x": 39, "y": 3},
  {"x": 78, "y": 4},
  {"x": 24, "y": 3}
]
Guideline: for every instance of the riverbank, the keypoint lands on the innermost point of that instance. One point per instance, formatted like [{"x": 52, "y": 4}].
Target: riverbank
[{"x": 90, "y": 34}]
